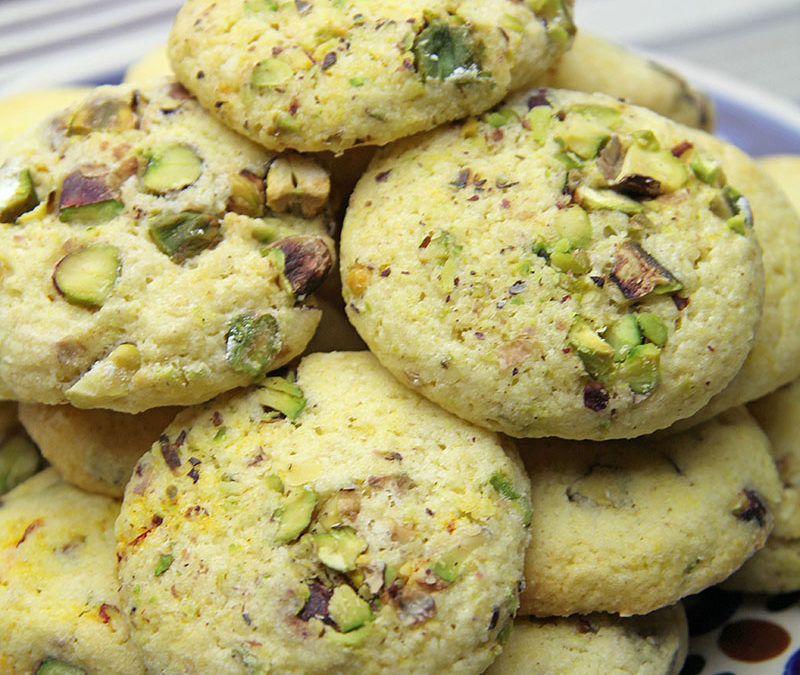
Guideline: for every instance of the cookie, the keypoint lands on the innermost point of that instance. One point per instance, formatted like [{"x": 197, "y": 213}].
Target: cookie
[
  {"x": 93, "y": 449},
  {"x": 776, "y": 567},
  {"x": 595, "y": 64},
  {"x": 774, "y": 359},
  {"x": 785, "y": 171},
  {"x": 631, "y": 526},
  {"x": 59, "y": 590},
  {"x": 565, "y": 265},
  {"x": 20, "y": 111},
  {"x": 597, "y": 644},
  {"x": 146, "y": 259},
  {"x": 337, "y": 523},
  {"x": 331, "y": 75}
]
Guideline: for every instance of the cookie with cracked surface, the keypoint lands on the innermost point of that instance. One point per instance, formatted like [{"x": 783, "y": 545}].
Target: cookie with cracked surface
[
  {"x": 335, "y": 523},
  {"x": 330, "y": 75},
  {"x": 597, "y": 644},
  {"x": 631, "y": 526},
  {"x": 152, "y": 257},
  {"x": 59, "y": 592},
  {"x": 567, "y": 265},
  {"x": 776, "y": 567},
  {"x": 93, "y": 449},
  {"x": 595, "y": 64}
]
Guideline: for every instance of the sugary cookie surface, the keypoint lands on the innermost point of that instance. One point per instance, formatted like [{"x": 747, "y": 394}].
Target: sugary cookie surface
[
  {"x": 151, "y": 257},
  {"x": 566, "y": 265},
  {"x": 332, "y": 74},
  {"x": 336, "y": 523},
  {"x": 58, "y": 586}
]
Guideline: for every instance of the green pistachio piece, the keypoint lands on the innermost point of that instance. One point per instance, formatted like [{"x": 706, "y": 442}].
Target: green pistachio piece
[
  {"x": 582, "y": 136},
  {"x": 271, "y": 73},
  {"x": 107, "y": 380},
  {"x": 708, "y": 170},
  {"x": 170, "y": 168},
  {"x": 102, "y": 114},
  {"x": 297, "y": 183},
  {"x": 645, "y": 173},
  {"x": 502, "y": 485},
  {"x": 248, "y": 194},
  {"x": 638, "y": 274},
  {"x": 274, "y": 483},
  {"x": 52, "y": 666},
  {"x": 294, "y": 515},
  {"x": 597, "y": 354},
  {"x": 87, "y": 195},
  {"x": 573, "y": 224},
  {"x": 445, "y": 51},
  {"x": 339, "y": 548},
  {"x": 184, "y": 235},
  {"x": 652, "y": 327},
  {"x": 163, "y": 563},
  {"x": 576, "y": 262},
  {"x": 251, "y": 343},
  {"x": 281, "y": 395},
  {"x": 641, "y": 368},
  {"x": 19, "y": 460},
  {"x": 623, "y": 336},
  {"x": 347, "y": 610},
  {"x": 17, "y": 194},
  {"x": 87, "y": 276},
  {"x": 594, "y": 200}
]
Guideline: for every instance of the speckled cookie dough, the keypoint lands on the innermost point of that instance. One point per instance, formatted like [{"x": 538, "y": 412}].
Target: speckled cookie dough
[
  {"x": 332, "y": 74},
  {"x": 631, "y": 526},
  {"x": 335, "y": 523},
  {"x": 58, "y": 587},
  {"x": 94, "y": 449},
  {"x": 774, "y": 359},
  {"x": 597, "y": 644},
  {"x": 20, "y": 111},
  {"x": 566, "y": 265},
  {"x": 151, "y": 257},
  {"x": 776, "y": 567},
  {"x": 595, "y": 64}
]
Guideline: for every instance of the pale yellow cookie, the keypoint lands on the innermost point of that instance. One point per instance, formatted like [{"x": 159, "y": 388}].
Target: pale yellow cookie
[
  {"x": 631, "y": 526},
  {"x": 21, "y": 111},
  {"x": 93, "y": 449},
  {"x": 58, "y": 586}
]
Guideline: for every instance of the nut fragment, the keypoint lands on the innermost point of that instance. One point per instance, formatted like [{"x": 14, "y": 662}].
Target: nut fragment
[
  {"x": 87, "y": 194},
  {"x": 637, "y": 273},
  {"x": 307, "y": 261},
  {"x": 297, "y": 183}
]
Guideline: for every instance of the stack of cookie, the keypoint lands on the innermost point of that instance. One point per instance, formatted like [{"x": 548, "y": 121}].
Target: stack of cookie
[{"x": 184, "y": 260}]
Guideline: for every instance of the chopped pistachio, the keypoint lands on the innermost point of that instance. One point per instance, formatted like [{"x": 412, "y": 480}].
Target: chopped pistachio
[
  {"x": 297, "y": 183},
  {"x": 594, "y": 200},
  {"x": 86, "y": 276},
  {"x": 638, "y": 274},
  {"x": 347, "y": 610},
  {"x": 646, "y": 173},
  {"x": 281, "y": 395},
  {"x": 294, "y": 515},
  {"x": 623, "y": 335},
  {"x": 538, "y": 121},
  {"x": 247, "y": 194},
  {"x": 502, "y": 485},
  {"x": 170, "y": 168},
  {"x": 306, "y": 262},
  {"x": 601, "y": 114},
  {"x": 597, "y": 354},
  {"x": 641, "y": 368},
  {"x": 184, "y": 235},
  {"x": 708, "y": 170},
  {"x": 576, "y": 262},
  {"x": 51, "y": 666},
  {"x": 88, "y": 196},
  {"x": 582, "y": 136},
  {"x": 339, "y": 548},
  {"x": 251, "y": 343},
  {"x": 163, "y": 563},
  {"x": 102, "y": 114},
  {"x": 446, "y": 52},
  {"x": 652, "y": 327},
  {"x": 108, "y": 379},
  {"x": 17, "y": 194},
  {"x": 274, "y": 483},
  {"x": 646, "y": 140},
  {"x": 573, "y": 224},
  {"x": 271, "y": 72}
]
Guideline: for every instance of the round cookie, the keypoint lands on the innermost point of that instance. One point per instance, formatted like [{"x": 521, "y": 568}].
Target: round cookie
[
  {"x": 94, "y": 449},
  {"x": 776, "y": 567},
  {"x": 331, "y": 75},
  {"x": 595, "y": 64},
  {"x": 631, "y": 526},
  {"x": 59, "y": 589},
  {"x": 360, "y": 530},
  {"x": 142, "y": 263},
  {"x": 774, "y": 359},
  {"x": 20, "y": 111},
  {"x": 597, "y": 644},
  {"x": 553, "y": 268},
  {"x": 785, "y": 171}
]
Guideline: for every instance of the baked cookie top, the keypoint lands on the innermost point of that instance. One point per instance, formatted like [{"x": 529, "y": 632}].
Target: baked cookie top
[
  {"x": 631, "y": 526},
  {"x": 335, "y": 523},
  {"x": 332, "y": 74},
  {"x": 597, "y": 644},
  {"x": 150, "y": 256},
  {"x": 94, "y": 449},
  {"x": 59, "y": 587},
  {"x": 566, "y": 265}
]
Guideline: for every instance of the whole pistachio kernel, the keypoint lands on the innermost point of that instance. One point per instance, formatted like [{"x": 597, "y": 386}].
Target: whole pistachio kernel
[
  {"x": 170, "y": 168},
  {"x": 183, "y": 235},
  {"x": 251, "y": 343}
]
